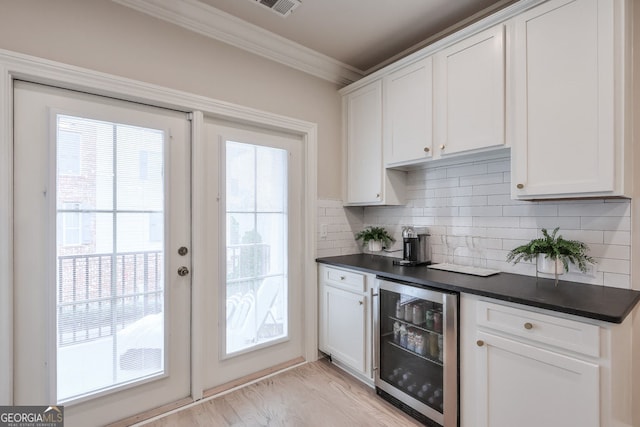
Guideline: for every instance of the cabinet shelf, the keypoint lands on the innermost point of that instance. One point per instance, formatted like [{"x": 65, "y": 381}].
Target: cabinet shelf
[
  {"x": 421, "y": 326},
  {"x": 413, "y": 353}
]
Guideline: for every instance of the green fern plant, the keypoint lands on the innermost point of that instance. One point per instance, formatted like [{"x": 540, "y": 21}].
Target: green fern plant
[
  {"x": 554, "y": 247},
  {"x": 375, "y": 233}
]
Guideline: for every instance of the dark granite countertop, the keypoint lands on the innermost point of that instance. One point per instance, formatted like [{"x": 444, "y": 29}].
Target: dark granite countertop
[{"x": 591, "y": 301}]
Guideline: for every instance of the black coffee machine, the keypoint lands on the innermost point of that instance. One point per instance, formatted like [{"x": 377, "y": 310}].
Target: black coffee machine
[{"x": 415, "y": 247}]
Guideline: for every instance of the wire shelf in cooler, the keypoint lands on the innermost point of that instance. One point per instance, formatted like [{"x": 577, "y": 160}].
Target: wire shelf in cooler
[
  {"x": 413, "y": 353},
  {"x": 420, "y": 326}
]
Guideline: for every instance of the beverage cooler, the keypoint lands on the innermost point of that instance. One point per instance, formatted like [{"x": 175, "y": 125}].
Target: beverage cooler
[{"x": 416, "y": 343}]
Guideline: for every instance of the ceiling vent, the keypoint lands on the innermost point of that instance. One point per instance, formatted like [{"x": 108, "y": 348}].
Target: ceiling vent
[{"x": 281, "y": 7}]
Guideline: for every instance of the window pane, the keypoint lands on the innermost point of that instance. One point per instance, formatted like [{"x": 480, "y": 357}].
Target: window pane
[
  {"x": 256, "y": 292},
  {"x": 110, "y": 260}
]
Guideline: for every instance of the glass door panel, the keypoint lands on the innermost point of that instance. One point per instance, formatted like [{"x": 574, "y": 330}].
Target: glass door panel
[
  {"x": 256, "y": 246},
  {"x": 411, "y": 346},
  {"x": 110, "y": 255}
]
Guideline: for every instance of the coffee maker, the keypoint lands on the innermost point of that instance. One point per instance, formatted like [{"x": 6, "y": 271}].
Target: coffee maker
[{"x": 415, "y": 247}]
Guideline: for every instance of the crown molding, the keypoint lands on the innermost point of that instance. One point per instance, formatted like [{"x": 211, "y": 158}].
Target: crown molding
[{"x": 219, "y": 25}]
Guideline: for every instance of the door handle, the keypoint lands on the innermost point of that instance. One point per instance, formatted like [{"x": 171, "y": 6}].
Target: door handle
[{"x": 183, "y": 271}]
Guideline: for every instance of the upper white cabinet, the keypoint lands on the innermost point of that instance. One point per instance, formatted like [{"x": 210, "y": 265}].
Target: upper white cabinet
[
  {"x": 470, "y": 94},
  {"x": 408, "y": 113},
  {"x": 367, "y": 181},
  {"x": 569, "y": 59}
]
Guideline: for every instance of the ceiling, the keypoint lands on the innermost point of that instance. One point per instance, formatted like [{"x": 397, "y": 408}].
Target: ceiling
[{"x": 363, "y": 34}]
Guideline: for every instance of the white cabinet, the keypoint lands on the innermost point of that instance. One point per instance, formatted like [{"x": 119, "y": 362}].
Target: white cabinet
[
  {"x": 367, "y": 182},
  {"x": 569, "y": 59},
  {"x": 345, "y": 319},
  {"x": 526, "y": 367},
  {"x": 470, "y": 94},
  {"x": 408, "y": 113}
]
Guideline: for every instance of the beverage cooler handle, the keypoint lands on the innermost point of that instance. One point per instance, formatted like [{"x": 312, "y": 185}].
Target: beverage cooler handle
[{"x": 374, "y": 336}]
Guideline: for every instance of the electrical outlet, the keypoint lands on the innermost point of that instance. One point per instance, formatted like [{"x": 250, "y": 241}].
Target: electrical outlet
[{"x": 324, "y": 231}]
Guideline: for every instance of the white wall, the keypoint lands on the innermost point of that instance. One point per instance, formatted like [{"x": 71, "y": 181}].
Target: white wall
[
  {"x": 104, "y": 36},
  {"x": 472, "y": 199}
]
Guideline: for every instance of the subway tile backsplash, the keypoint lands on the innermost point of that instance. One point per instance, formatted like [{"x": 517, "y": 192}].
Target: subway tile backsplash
[{"x": 461, "y": 201}]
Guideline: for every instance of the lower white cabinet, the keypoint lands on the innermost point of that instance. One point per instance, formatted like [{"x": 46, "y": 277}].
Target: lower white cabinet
[
  {"x": 525, "y": 367},
  {"x": 522, "y": 385},
  {"x": 345, "y": 319}
]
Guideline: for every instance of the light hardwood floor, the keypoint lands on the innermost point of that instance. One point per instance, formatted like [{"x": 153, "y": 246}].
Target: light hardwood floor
[{"x": 314, "y": 394}]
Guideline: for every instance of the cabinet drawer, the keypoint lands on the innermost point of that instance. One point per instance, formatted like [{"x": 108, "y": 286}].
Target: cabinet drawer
[
  {"x": 562, "y": 333},
  {"x": 345, "y": 279}
]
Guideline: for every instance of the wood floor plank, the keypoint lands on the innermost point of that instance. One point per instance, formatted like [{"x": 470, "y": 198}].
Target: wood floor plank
[{"x": 314, "y": 394}]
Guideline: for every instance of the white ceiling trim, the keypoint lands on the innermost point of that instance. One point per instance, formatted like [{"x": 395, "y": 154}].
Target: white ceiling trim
[{"x": 219, "y": 25}]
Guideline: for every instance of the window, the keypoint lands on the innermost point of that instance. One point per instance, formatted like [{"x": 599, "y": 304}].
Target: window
[
  {"x": 69, "y": 152},
  {"x": 71, "y": 224}
]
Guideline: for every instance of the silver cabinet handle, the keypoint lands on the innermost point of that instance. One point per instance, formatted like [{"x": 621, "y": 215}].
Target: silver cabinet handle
[{"x": 374, "y": 336}]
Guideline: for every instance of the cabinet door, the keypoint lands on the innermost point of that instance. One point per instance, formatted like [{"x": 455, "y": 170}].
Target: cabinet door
[
  {"x": 344, "y": 317},
  {"x": 364, "y": 144},
  {"x": 564, "y": 100},
  {"x": 525, "y": 386},
  {"x": 470, "y": 99},
  {"x": 408, "y": 113}
]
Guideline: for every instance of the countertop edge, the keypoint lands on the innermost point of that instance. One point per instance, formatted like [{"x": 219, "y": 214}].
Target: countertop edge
[{"x": 616, "y": 318}]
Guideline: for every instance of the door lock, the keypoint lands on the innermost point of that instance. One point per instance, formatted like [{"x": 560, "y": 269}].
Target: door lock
[{"x": 183, "y": 271}]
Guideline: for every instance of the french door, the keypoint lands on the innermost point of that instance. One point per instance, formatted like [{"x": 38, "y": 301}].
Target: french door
[
  {"x": 102, "y": 236},
  {"x": 254, "y": 219}
]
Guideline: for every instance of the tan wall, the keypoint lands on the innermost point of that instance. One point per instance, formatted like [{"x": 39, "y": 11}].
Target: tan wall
[{"x": 104, "y": 36}]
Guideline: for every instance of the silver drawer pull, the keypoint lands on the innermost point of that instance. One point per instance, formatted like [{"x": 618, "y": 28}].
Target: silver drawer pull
[{"x": 528, "y": 326}]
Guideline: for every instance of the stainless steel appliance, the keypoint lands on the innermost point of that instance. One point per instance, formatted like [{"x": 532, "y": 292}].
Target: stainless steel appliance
[
  {"x": 416, "y": 351},
  {"x": 415, "y": 247}
]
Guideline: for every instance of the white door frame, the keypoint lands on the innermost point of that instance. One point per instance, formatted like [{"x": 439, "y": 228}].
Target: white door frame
[{"x": 24, "y": 67}]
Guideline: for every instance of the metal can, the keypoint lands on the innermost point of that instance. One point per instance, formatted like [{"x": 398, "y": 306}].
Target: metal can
[
  {"x": 437, "y": 321},
  {"x": 418, "y": 314},
  {"x": 428, "y": 317},
  {"x": 433, "y": 345}
]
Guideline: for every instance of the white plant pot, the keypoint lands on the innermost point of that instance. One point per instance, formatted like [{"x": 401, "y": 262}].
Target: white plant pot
[
  {"x": 549, "y": 266},
  {"x": 375, "y": 245}
]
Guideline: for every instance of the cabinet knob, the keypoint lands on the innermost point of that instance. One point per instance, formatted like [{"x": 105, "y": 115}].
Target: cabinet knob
[
  {"x": 361, "y": 302},
  {"x": 520, "y": 186},
  {"x": 426, "y": 149},
  {"x": 342, "y": 277},
  {"x": 378, "y": 196},
  {"x": 528, "y": 325},
  {"x": 442, "y": 147},
  {"x": 480, "y": 343}
]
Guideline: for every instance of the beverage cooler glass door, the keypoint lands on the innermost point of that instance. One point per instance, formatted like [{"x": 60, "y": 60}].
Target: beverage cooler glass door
[{"x": 417, "y": 350}]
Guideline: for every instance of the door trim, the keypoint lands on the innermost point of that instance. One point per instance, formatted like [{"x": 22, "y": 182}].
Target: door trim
[{"x": 15, "y": 66}]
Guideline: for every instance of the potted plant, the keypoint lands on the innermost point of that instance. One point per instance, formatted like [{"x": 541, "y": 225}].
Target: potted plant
[
  {"x": 553, "y": 253},
  {"x": 375, "y": 238}
]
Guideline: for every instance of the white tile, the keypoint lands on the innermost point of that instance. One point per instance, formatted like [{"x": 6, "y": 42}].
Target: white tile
[
  {"x": 610, "y": 251},
  {"x": 494, "y": 178},
  {"x": 466, "y": 170},
  {"x": 436, "y": 202},
  {"x": 453, "y": 192},
  {"x": 531, "y": 210},
  {"x": 504, "y": 200},
  {"x": 435, "y": 173},
  {"x": 616, "y": 280},
  {"x": 618, "y": 266},
  {"x": 442, "y": 211},
  {"x": 503, "y": 222},
  {"x": 489, "y": 189},
  {"x": 475, "y": 211},
  {"x": 509, "y": 244},
  {"x": 501, "y": 232},
  {"x": 600, "y": 209},
  {"x": 586, "y": 236},
  {"x": 549, "y": 222},
  {"x": 468, "y": 201},
  {"x": 617, "y": 237},
  {"x": 462, "y": 221},
  {"x": 606, "y": 223},
  {"x": 443, "y": 183},
  {"x": 506, "y": 177}
]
